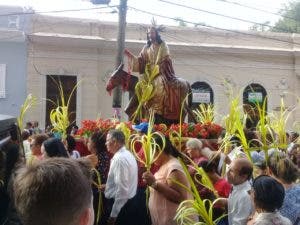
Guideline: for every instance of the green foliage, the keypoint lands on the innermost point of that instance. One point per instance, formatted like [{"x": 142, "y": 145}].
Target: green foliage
[
  {"x": 190, "y": 209},
  {"x": 278, "y": 124},
  {"x": 59, "y": 116},
  {"x": 205, "y": 113},
  {"x": 29, "y": 102},
  {"x": 150, "y": 148},
  {"x": 100, "y": 202},
  {"x": 290, "y": 23}
]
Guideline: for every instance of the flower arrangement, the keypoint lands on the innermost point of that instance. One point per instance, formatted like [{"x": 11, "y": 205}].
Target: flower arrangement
[
  {"x": 87, "y": 128},
  {"x": 104, "y": 125},
  {"x": 203, "y": 131}
]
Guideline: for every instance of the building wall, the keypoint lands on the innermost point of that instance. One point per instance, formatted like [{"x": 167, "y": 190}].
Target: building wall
[
  {"x": 86, "y": 63},
  {"x": 198, "y": 55},
  {"x": 274, "y": 72},
  {"x": 13, "y": 53}
]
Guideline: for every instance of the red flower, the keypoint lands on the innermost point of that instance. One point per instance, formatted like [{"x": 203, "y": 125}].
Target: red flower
[{"x": 198, "y": 130}]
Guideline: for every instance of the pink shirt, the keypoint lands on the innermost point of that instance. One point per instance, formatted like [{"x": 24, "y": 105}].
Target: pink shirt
[{"x": 162, "y": 210}]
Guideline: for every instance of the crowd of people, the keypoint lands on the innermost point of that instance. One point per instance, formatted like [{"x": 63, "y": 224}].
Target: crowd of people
[
  {"x": 57, "y": 185},
  {"x": 55, "y": 181}
]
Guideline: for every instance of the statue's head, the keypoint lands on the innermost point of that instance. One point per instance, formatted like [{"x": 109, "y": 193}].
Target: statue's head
[{"x": 153, "y": 33}]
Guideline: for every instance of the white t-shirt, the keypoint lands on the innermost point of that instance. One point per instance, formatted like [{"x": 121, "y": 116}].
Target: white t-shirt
[
  {"x": 239, "y": 204},
  {"x": 122, "y": 179}
]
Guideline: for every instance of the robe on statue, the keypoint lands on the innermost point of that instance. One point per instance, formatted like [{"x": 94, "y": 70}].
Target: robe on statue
[{"x": 165, "y": 101}]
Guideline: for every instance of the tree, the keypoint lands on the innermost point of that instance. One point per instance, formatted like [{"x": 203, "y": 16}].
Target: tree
[{"x": 290, "y": 22}]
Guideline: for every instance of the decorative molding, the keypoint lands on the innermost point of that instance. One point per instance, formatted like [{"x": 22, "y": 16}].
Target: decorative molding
[
  {"x": 282, "y": 84},
  {"x": 2, "y": 81}
]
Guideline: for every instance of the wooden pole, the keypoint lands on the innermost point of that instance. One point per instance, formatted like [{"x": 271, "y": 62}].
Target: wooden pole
[{"x": 117, "y": 92}]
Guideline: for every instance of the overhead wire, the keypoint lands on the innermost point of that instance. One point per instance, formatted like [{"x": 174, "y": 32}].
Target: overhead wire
[
  {"x": 214, "y": 13},
  {"x": 151, "y": 13},
  {"x": 190, "y": 22},
  {"x": 55, "y": 11},
  {"x": 203, "y": 71},
  {"x": 218, "y": 52},
  {"x": 258, "y": 9},
  {"x": 223, "y": 15},
  {"x": 214, "y": 62},
  {"x": 105, "y": 7},
  {"x": 221, "y": 76},
  {"x": 215, "y": 51},
  {"x": 185, "y": 40},
  {"x": 205, "y": 11},
  {"x": 216, "y": 28},
  {"x": 46, "y": 25}
]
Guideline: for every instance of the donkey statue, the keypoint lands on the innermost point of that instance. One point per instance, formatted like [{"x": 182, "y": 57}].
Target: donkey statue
[{"x": 167, "y": 99}]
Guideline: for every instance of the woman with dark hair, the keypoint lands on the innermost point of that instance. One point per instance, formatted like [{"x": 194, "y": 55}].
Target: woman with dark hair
[
  {"x": 53, "y": 147},
  {"x": 96, "y": 145},
  {"x": 165, "y": 194},
  {"x": 284, "y": 171},
  {"x": 36, "y": 147},
  {"x": 267, "y": 195},
  {"x": 71, "y": 145}
]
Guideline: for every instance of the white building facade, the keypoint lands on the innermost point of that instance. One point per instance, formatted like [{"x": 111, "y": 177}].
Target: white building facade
[{"x": 85, "y": 51}]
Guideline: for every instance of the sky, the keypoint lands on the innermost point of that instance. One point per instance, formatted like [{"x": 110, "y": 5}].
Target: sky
[{"x": 161, "y": 8}]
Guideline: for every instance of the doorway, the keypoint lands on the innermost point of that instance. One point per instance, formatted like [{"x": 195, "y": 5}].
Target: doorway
[{"x": 52, "y": 93}]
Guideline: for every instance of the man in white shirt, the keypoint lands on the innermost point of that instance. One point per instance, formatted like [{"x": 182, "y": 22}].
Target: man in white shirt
[
  {"x": 239, "y": 201},
  {"x": 122, "y": 179}
]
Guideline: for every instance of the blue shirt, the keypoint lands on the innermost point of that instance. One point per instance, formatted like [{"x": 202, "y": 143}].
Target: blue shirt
[{"x": 291, "y": 203}]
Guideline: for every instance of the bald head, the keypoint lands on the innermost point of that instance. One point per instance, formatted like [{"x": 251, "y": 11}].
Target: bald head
[
  {"x": 246, "y": 167},
  {"x": 240, "y": 170}
]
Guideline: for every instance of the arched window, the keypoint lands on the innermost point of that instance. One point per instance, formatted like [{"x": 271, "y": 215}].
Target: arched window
[
  {"x": 202, "y": 93},
  {"x": 254, "y": 94}
]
